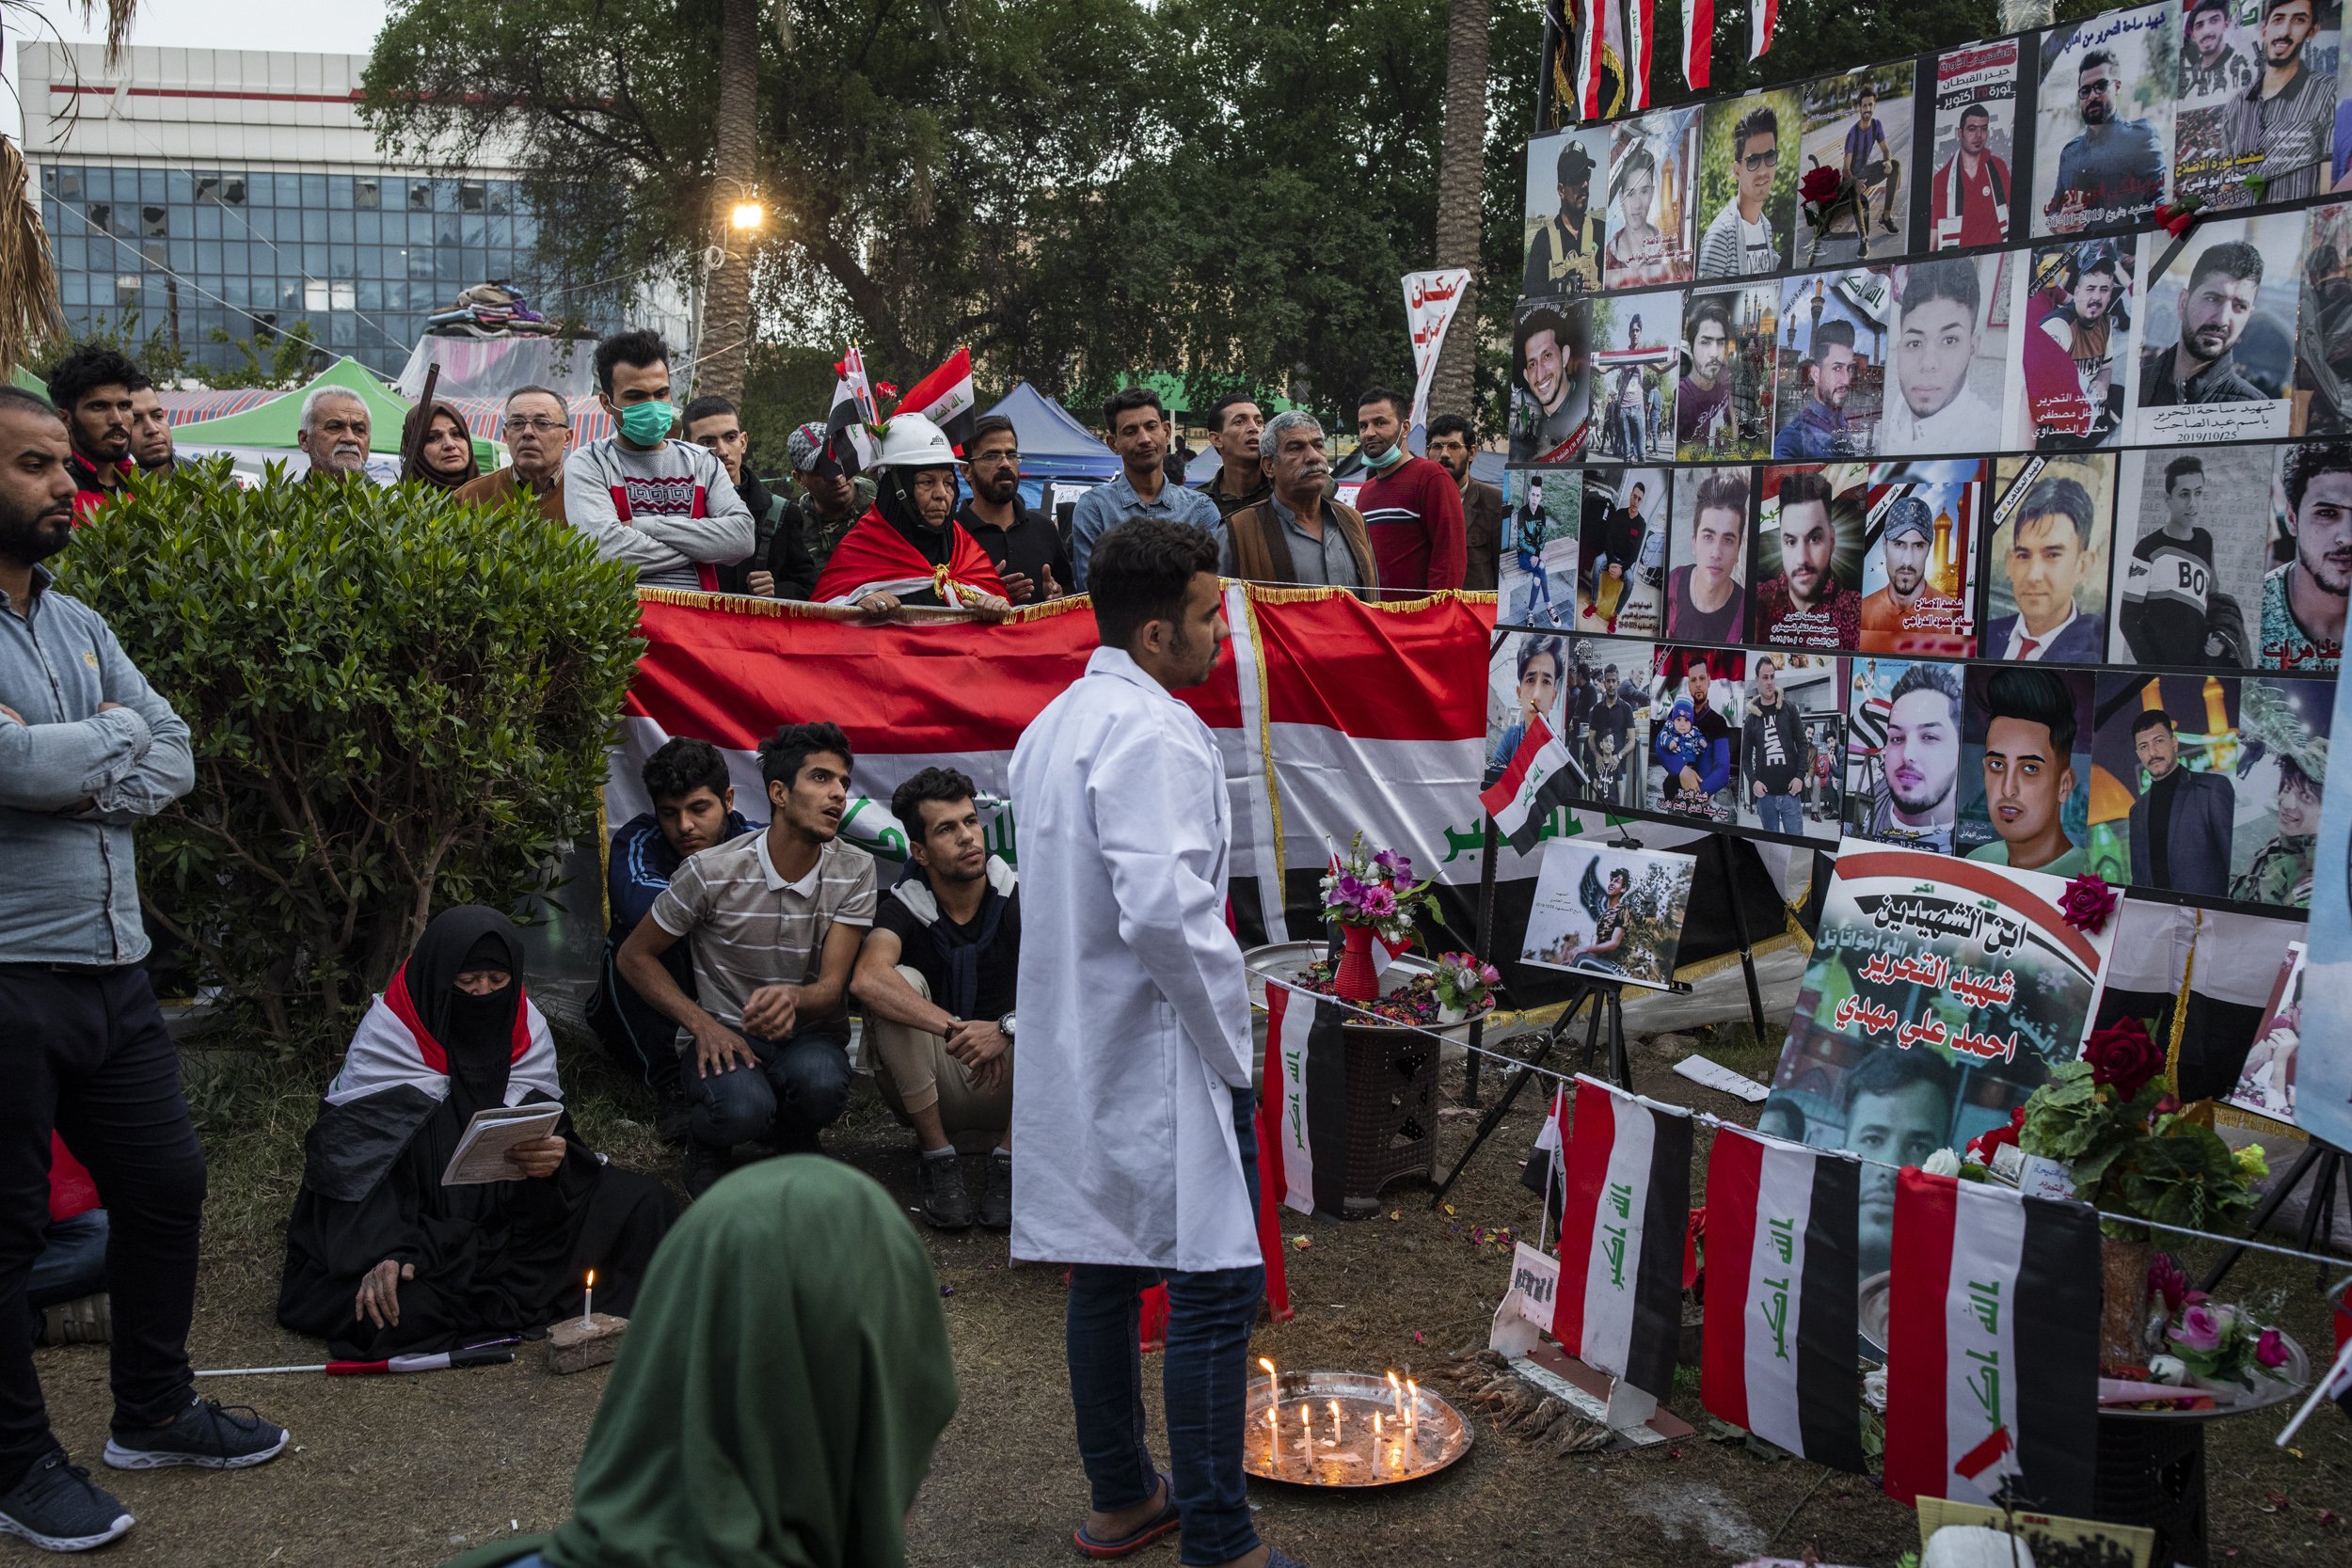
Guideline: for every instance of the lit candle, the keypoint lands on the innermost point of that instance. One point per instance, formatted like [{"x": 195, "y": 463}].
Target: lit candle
[
  {"x": 1339, "y": 1424},
  {"x": 1273, "y": 1438},
  {"x": 1375, "y": 1442},
  {"x": 588, "y": 1300},
  {"x": 1397, "y": 1390},
  {"x": 1412, "y": 1404},
  {"x": 1273, "y": 1384},
  {"x": 1306, "y": 1421}
]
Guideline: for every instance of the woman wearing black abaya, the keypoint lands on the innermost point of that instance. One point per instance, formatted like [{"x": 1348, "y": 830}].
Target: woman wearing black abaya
[{"x": 382, "y": 1259}]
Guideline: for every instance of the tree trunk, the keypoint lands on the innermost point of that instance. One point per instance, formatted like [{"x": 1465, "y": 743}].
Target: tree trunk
[
  {"x": 1461, "y": 165},
  {"x": 727, "y": 325}
]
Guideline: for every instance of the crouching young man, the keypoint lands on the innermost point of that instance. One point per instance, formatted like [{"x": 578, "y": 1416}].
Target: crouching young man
[
  {"x": 936, "y": 978},
  {"x": 775, "y": 917}
]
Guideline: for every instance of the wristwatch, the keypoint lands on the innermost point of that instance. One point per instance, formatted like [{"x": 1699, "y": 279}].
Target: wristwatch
[{"x": 1005, "y": 1025}]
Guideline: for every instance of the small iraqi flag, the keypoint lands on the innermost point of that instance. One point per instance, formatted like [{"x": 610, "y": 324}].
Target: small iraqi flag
[
  {"x": 1529, "y": 786},
  {"x": 847, "y": 439},
  {"x": 1541, "y": 1174},
  {"x": 945, "y": 397},
  {"x": 1992, "y": 1347},
  {"x": 1305, "y": 1074},
  {"x": 1782, "y": 1272},
  {"x": 1629, "y": 1203}
]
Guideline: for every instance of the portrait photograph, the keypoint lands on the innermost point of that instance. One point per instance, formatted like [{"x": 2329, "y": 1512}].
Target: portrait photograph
[
  {"x": 1831, "y": 387},
  {"x": 2322, "y": 399},
  {"x": 1564, "y": 218},
  {"x": 1528, "y": 677},
  {"x": 1747, "y": 192},
  {"x": 2025, "y": 769},
  {"x": 1607, "y": 911},
  {"x": 2164, "y": 782},
  {"x": 1859, "y": 124},
  {"x": 2281, "y": 776},
  {"x": 1605, "y": 710},
  {"x": 2073, "y": 309},
  {"x": 1707, "y": 556},
  {"x": 1973, "y": 186},
  {"x": 2045, "y": 577},
  {"x": 1537, "y": 575},
  {"x": 2257, "y": 103},
  {"x": 1723, "y": 401},
  {"x": 2103, "y": 130},
  {"x": 1694, "y": 731},
  {"x": 2266, "y": 1083},
  {"x": 1806, "y": 563},
  {"x": 2217, "y": 351},
  {"x": 1919, "y": 557},
  {"x": 1550, "y": 382},
  {"x": 2299, "y": 625},
  {"x": 2189, "y": 561},
  {"x": 1653, "y": 161},
  {"x": 1904, "y": 730},
  {"x": 1621, "y": 564},
  {"x": 1789, "y": 744},
  {"x": 1637, "y": 362},
  {"x": 1950, "y": 354}
]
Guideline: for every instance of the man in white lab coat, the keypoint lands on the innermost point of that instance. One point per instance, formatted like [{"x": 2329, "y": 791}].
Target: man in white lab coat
[{"x": 1131, "y": 1093}]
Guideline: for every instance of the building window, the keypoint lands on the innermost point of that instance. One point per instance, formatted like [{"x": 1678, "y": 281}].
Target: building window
[
  {"x": 472, "y": 197},
  {"x": 101, "y": 216},
  {"x": 154, "y": 222},
  {"x": 420, "y": 195},
  {"x": 367, "y": 195},
  {"x": 127, "y": 291}
]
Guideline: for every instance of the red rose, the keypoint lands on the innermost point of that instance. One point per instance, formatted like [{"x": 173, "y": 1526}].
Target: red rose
[
  {"x": 1821, "y": 183},
  {"x": 2086, "y": 903},
  {"x": 2123, "y": 1057}
]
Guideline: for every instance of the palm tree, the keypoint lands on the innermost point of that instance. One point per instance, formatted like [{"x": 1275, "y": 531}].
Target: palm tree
[
  {"x": 1461, "y": 165},
  {"x": 726, "y": 319},
  {"x": 29, "y": 276}
]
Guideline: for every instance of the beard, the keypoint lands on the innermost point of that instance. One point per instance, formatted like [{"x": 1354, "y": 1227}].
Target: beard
[
  {"x": 1922, "y": 803},
  {"x": 34, "y": 538},
  {"x": 999, "y": 489},
  {"x": 1906, "y": 579},
  {"x": 2097, "y": 114}
]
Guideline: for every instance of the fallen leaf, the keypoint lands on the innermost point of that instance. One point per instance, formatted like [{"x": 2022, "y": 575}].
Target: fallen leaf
[
  {"x": 1396, "y": 1214},
  {"x": 1449, "y": 1208},
  {"x": 1418, "y": 1338},
  {"x": 2329, "y": 1516},
  {"x": 1302, "y": 1243}
]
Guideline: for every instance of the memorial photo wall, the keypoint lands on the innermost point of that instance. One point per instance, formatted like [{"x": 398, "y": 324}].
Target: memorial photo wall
[{"x": 1987, "y": 511}]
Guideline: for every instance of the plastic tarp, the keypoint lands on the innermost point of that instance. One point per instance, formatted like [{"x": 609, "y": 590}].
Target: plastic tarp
[
  {"x": 489, "y": 367},
  {"x": 272, "y": 425},
  {"x": 1053, "y": 444}
]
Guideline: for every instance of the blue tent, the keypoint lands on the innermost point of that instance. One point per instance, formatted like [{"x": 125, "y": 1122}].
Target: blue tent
[{"x": 1053, "y": 444}]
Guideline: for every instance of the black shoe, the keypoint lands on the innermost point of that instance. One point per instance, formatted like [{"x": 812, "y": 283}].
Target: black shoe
[
  {"x": 939, "y": 1178},
  {"x": 208, "y": 1435},
  {"x": 994, "y": 1208},
  {"x": 671, "y": 1116},
  {"x": 59, "y": 1509},
  {"x": 705, "y": 1165}
]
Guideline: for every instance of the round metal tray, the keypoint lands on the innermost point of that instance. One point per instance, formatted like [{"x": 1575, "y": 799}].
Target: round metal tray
[
  {"x": 1431, "y": 1436},
  {"x": 1284, "y": 959}
]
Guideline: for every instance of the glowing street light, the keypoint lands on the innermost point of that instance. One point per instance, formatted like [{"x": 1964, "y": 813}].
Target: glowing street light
[{"x": 748, "y": 216}]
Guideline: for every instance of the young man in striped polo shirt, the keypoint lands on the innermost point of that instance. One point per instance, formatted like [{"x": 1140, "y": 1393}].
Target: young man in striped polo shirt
[{"x": 776, "y": 916}]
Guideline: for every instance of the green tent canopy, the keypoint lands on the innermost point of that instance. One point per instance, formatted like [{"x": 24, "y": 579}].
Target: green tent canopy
[
  {"x": 26, "y": 379},
  {"x": 272, "y": 425}
]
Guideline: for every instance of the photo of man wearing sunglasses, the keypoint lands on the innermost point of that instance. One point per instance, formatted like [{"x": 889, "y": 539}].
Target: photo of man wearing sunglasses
[{"x": 1749, "y": 234}]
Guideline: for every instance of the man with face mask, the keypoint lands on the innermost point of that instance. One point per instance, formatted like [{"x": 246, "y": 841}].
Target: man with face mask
[
  {"x": 665, "y": 506},
  {"x": 909, "y": 549}
]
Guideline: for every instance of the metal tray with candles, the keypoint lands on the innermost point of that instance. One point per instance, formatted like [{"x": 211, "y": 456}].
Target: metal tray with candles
[{"x": 1349, "y": 1429}]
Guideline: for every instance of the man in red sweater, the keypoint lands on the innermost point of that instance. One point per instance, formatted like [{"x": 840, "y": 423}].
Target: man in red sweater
[{"x": 1411, "y": 507}]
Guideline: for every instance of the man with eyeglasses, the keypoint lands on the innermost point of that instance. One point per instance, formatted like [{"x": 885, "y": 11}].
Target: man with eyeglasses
[
  {"x": 1741, "y": 242},
  {"x": 537, "y": 429},
  {"x": 1027, "y": 548},
  {"x": 2114, "y": 170}
]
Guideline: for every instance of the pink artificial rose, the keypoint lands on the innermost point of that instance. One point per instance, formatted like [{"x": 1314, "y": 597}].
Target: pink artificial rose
[
  {"x": 2199, "y": 1328},
  {"x": 2272, "y": 1348}
]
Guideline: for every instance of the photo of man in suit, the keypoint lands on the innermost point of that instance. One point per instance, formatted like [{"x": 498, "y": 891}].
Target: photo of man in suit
[
  {"x": 2180, "y": 829},
  {"x": 2051, "y": 553}
]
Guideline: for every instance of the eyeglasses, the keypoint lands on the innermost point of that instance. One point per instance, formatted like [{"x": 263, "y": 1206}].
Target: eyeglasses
[
  {"x": 2096, "y": 85},
  {"x": 542, "y": 426},
  {"x": 1759, "y": 162},
  {"x": 1008, "y": 459}
]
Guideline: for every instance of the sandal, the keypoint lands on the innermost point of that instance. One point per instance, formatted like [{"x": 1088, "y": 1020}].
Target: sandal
[{"x": 1143, "y": 1534}]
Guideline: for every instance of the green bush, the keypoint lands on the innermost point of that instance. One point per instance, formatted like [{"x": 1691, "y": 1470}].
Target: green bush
[{"x": 398, "y": 704}]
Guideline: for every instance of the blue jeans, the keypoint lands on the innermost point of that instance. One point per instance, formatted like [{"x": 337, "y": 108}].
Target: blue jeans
[
  {"x": 800, "y": 1087},
  {"x": 1204, "y": 1378},
  {"x": 1781, "y": 812},
  {"x": 72, "y": 1261}
]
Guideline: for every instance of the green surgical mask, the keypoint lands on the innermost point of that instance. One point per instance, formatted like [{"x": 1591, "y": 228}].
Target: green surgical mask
[{"x": 647, "y": 425}]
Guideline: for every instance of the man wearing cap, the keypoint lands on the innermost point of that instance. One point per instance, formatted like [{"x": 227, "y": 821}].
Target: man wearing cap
[
  {"x": 1908, "y": 539},
  {"x": 1565, "y": 255},
  {"x": 830, "y": 502}
]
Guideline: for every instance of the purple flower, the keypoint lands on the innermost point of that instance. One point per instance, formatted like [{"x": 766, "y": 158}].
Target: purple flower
[
  {"x": 1351, "y": 889},
  {"x": 2272, "y": 1348},
  {"x": 2199, "y": 1328},
  {"x": 1379, "y": 901}
]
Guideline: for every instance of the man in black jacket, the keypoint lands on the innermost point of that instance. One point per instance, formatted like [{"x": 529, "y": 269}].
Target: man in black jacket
[
  {"x": 778, "y": 566},
  {"x": 1027, "y": 548}
]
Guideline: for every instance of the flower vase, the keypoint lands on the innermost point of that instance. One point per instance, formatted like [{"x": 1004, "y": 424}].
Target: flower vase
[
  {"x": 1451, "y": 1015},
  {"x": 1356, "y": 981},
  {"x": 2124, "y": 1301}
]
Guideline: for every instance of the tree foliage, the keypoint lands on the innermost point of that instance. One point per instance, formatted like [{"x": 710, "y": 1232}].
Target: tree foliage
[{"x": 397, "y": 703}]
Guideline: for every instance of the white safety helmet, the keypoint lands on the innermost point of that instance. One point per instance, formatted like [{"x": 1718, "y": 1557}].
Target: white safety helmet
[{"x": 913, "y": 442}]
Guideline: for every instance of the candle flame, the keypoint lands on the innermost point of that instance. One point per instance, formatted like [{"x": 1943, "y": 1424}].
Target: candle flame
[
  {"x": 1375, "y": 1424},
  {"x": 1412, "y": 1392},
  {"x": 592, "y": 1279},
  {"x": 1268, "y": 1364}
]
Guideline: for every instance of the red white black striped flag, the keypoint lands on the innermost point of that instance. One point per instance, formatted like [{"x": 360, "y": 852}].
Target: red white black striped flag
[
  {"x": 1531, "y": 788},
  {"x": 1629, "y": 1203},
  {"x": 1305, "y": 1082},
  {"x": 1782, "y": 1272},
  {"x": 1992, "y": 1347},
  {"x": 945, "y": 397}
]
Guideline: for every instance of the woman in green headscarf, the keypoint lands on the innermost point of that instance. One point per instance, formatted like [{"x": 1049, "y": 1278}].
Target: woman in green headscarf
[{"x": 777, "y": 1397}]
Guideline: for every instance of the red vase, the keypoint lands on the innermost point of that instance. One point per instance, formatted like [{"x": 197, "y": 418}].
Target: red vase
[{"x": 1356, "y": 981}]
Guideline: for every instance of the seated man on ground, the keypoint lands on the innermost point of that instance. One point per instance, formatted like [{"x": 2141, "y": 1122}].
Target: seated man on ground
[
  {"x": 67, "y": 1289},
  {"x": 777, "y": 917},
  {"x": 693, "y": 808},
  {"x": 936, "y": 978},
  {"x": 382, "y": 1259}
]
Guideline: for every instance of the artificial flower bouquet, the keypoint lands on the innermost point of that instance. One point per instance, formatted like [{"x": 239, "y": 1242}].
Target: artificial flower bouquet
[
  {"x": 1376, "y": 893},
  {"x": 1463, "y": 985}
]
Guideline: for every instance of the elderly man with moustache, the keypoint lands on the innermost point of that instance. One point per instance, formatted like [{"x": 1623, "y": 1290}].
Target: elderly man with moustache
[
  {"x": 537, "y": 429},
  {"x": 333, "y": 432},
  {"x": 1294, "y": 535}
]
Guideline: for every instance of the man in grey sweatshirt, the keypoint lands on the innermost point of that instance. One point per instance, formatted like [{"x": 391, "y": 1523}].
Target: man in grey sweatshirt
[{"x": 665, "y": 506}]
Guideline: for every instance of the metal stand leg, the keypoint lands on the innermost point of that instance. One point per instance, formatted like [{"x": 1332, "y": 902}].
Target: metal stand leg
[
  {"x": 1493, "y": 1119},
  {"x": 1739, "y": 929},
  {"x": 1484, "y": 939},
  {"x": 2318, "y": 1217}
]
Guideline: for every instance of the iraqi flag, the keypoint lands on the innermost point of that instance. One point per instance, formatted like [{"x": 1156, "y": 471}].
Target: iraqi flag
[
  {"x": 847, "y": 439},
  {"x": 1992, "y": 1347},
  {"x": 1591, "y": 41},
  {"x": 1306, "y": 1073},
  {"x": 1629, "y": 1203},
  {"x": 1541, "y": 1174},
  {"x": 1640, "y": 27},
  {"x": 1782, "y": 1276},
  {"x": 945, "y": 397},
  {"x": 1698, "y": 41},
  {"x": 1763, "y": 21},
  {"x": 1529, "y": 786}
]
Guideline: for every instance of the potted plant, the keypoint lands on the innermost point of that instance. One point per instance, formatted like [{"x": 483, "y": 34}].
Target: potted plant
[
  {"x": 1368, "y": 895},
  {"x": 1463, "y": 985}
]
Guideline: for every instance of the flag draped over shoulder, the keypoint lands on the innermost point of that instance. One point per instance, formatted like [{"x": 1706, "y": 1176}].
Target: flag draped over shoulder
[
  {"x": 1992, "y": 1347},
  {"x": 874, "y": 557},
  {"x": 1629, "y": 1203},
  {"x": 1782, "y": 1272}
]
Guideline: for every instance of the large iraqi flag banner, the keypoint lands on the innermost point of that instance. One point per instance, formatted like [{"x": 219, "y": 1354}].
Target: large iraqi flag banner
[{"x": 1332, "y": 714}]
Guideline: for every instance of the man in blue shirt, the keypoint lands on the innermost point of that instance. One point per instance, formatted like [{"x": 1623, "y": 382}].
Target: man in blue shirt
[
  {"x": 693, "y": 808},
  {"x": 1819, "y": 430},
  {"x": 1139, "y": 433}
]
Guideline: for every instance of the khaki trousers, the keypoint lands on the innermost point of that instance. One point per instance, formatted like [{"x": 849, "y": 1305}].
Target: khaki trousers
[{"x": 914, "y": 1073}]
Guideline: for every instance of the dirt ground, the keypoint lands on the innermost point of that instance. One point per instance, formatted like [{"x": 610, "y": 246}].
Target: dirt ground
[{"x": 399, "y": 1471}]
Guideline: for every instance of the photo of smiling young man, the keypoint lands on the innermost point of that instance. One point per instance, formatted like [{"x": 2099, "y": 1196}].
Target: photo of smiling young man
[
  {"x": 2217, "y": 348},
  {"x": 2045, "y": 599},
  {"x": 1950, "y": 357},
  {"x": 2030, "y": 801},
  {"x": 1551, "y": 383},
  {"x": 1903, "y": 735},
  {"x": 1807, "y": 568}
]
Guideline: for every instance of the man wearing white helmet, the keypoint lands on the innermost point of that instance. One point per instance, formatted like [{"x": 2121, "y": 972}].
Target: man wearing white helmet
[{"x": 909, "y": 549}]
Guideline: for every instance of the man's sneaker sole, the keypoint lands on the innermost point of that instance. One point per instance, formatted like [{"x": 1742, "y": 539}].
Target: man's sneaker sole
[
  {"x": 120, "y": 1458},
  {"x": 67, "y": 1542}
]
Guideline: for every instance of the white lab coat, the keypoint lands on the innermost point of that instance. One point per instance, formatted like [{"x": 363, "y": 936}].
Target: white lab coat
[{"x": 1134, "y": 1017}]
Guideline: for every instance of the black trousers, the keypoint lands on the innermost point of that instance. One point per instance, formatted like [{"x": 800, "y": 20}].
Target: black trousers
[{"x": 84, "y": 1052}]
